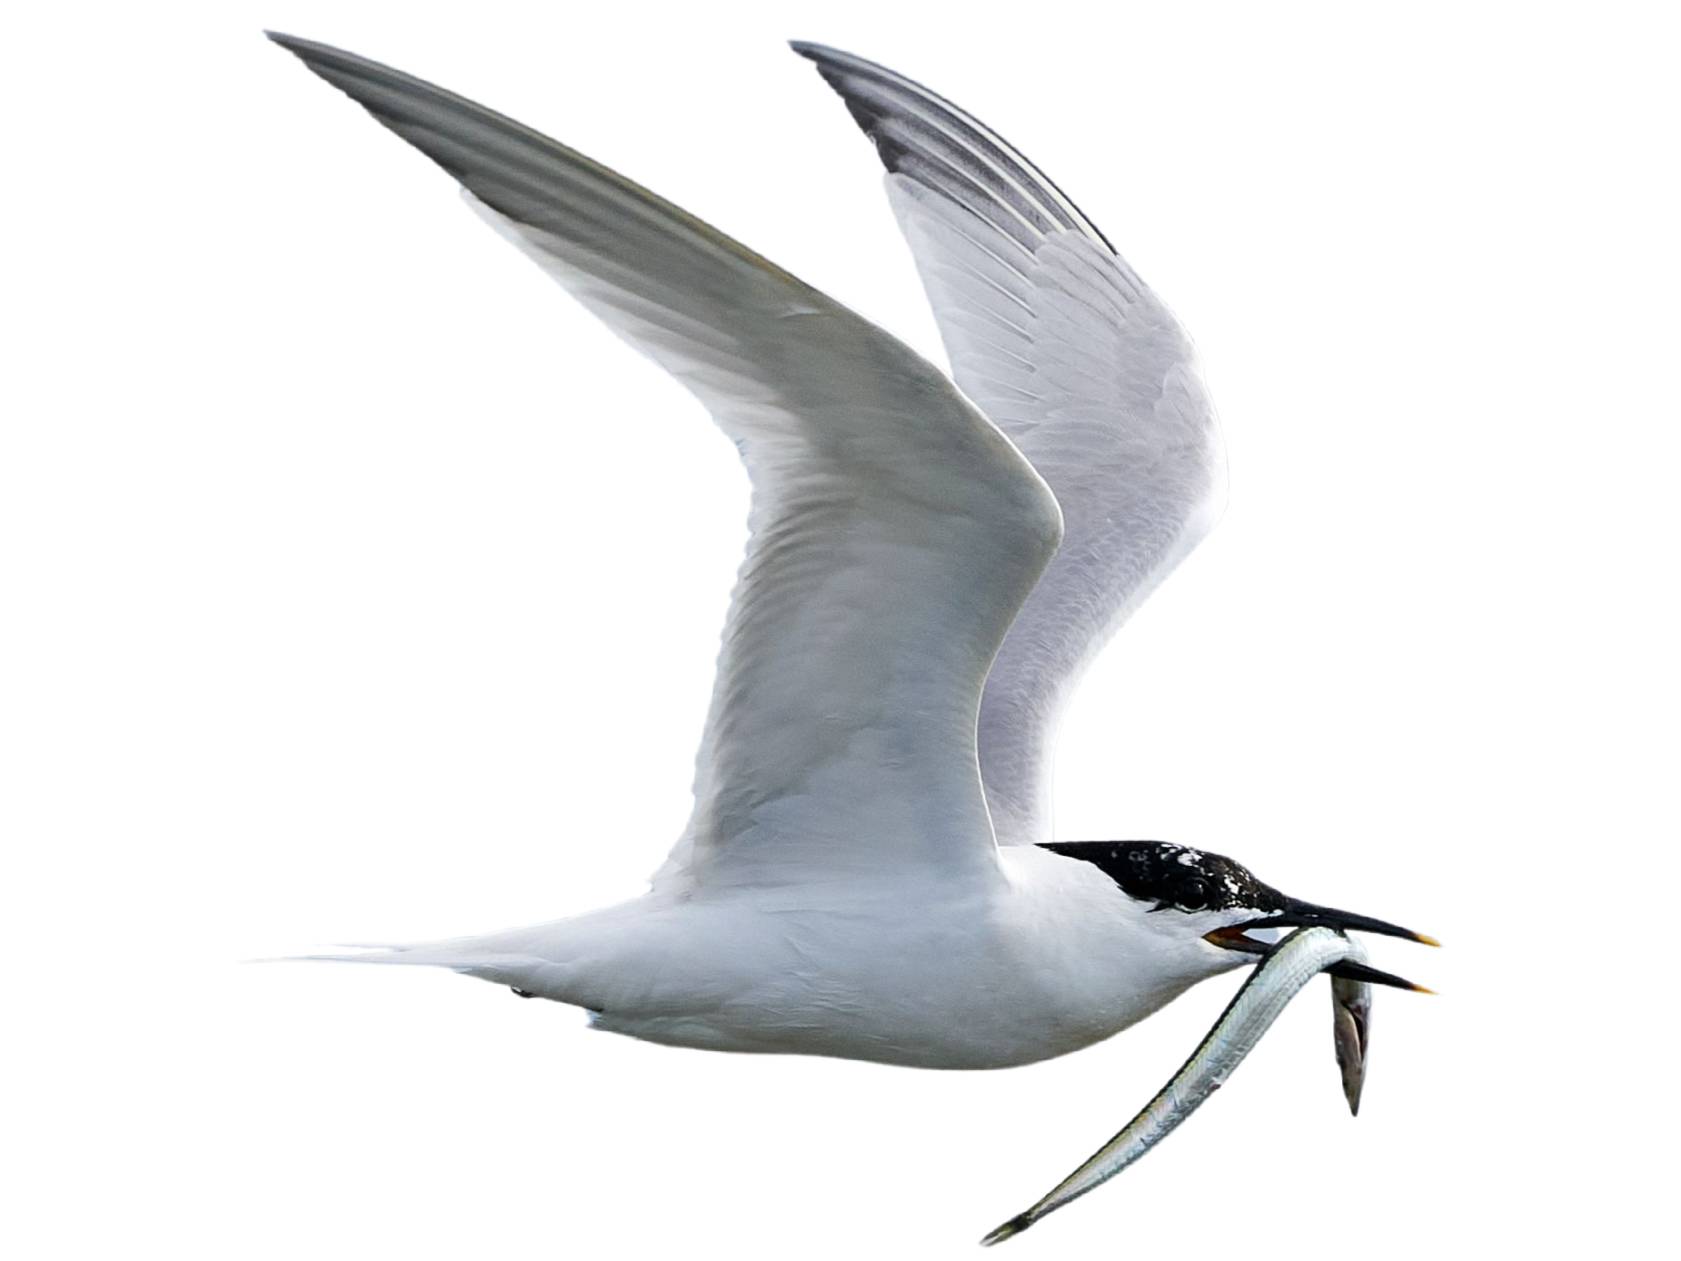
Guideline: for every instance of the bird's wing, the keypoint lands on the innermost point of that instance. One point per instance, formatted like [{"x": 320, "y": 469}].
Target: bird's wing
[
  {"x": 1065, "y": 349},
  {"x": 894, "y": 530}
]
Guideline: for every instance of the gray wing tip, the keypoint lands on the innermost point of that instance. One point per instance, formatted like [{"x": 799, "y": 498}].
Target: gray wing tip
[
  {"x": 879, "y": 99},
  {"x": 836, "y": 64},
  {"x": 356, "y": 75},
  {"x": 831, "y": 61},
  {"x": 312, "y": 52},
  {"x": 348, "y": 71},
  {"x": 820, "y": 53},
  {"x": 858, "y": 82}
]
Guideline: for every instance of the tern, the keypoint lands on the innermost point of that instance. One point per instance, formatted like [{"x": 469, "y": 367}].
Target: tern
[{"x": 870, "y": 869}]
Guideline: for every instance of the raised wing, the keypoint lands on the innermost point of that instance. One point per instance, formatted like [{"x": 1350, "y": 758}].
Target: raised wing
[
  {"x": 1067, "y": 351},
  {"x": 895, "y": 531}
]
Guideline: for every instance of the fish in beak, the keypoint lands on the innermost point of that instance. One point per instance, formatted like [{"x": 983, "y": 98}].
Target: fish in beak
[{"x": 1294, "y": 913}]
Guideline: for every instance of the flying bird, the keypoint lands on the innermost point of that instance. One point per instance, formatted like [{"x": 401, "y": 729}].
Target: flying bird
[{"x": 870, "y": 869}]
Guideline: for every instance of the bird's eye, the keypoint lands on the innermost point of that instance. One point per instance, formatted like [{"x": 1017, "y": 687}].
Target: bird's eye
[{"x": 1194, "y": 895}]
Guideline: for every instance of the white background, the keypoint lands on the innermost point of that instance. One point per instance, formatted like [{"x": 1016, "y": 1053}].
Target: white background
[{"x": 358, "y": 587}]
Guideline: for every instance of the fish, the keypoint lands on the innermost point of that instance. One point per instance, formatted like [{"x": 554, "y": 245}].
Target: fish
[
  {"x": 1351, "y": 1028},
  {"x": 1278, "y": 978}
]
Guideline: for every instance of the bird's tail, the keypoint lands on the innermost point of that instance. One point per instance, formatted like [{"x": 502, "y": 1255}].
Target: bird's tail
[
  {"x": 569, "y": 960},
  {"x": 477, "y": 957}
]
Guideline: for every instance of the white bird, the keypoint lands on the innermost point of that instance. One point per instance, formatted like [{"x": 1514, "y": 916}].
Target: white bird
[{"x": 869, "y": 870}]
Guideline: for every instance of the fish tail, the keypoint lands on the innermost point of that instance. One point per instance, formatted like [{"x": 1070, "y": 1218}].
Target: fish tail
[{"x": 1011, "y": 1228}]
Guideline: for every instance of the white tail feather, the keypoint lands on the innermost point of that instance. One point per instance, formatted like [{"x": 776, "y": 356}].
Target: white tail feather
[{"x": 502, "y": 967}]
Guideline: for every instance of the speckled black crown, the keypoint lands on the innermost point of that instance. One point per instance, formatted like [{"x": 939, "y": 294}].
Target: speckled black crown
[{"x": 1174, "y": 875}]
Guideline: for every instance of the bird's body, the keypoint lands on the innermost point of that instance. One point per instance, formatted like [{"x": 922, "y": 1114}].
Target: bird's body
[
  {"x": 870, "y": 869},
  {"x": 916, "y": 969}
]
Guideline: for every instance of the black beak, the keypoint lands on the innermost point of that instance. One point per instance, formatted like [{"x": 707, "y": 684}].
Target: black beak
[
  {"x": 1360, "y": 972},
  {"x": 1296, "y": 914}
]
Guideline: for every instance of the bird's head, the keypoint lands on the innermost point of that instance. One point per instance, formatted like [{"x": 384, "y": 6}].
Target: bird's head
[{"x": 1210, "y": 913}]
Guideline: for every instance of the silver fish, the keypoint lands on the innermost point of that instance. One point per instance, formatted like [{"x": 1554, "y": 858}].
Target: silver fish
[
  {"x": 1276, "y": 980},
  {"x": 1351, "y": 1028}
]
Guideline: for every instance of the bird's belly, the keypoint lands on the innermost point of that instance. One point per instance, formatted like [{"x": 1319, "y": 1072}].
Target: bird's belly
[
  {"x": 944, "y": 1038},
  {"x": 934, "y": 993}
]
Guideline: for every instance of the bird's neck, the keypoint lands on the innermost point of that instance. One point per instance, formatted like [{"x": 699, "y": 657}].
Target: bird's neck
[{"x": 1090, "y": 944}]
